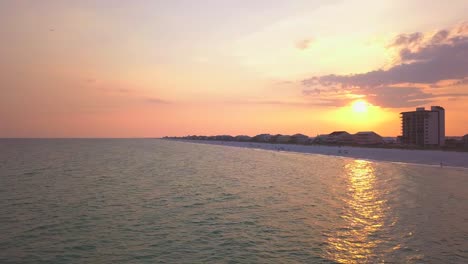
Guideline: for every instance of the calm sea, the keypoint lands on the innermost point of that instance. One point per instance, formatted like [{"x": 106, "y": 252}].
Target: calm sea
[{"x": 156, "y": 201}]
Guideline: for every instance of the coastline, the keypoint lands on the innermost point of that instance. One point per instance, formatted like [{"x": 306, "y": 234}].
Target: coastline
[{"x": 404, "y": 156}]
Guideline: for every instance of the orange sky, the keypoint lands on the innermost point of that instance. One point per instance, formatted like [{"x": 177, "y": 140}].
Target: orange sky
[{"x": 157, "y": 68}]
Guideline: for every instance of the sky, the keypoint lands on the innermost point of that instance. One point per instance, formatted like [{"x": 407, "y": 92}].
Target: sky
[{"x": 182, "y": 67}]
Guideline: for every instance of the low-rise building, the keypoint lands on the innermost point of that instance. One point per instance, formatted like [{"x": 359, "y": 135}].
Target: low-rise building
[
  {"x": 321, "y": 139},
  {"x": 299, "y": 139},
  {"x": 283, "y": 139},
  {"x": 367, "y": 138},
  {"x": 340, "y": 137},
  {"x": 262, "y": 138},
  {"x": 389, "y": 140},
  {"x": 454, "y": 142},
  {"x": 224, "y": 138},
  {"x": 242, "y": 138}
]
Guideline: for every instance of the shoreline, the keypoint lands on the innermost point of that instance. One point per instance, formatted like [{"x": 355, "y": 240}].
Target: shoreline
[{"x": 434, "y": 158}]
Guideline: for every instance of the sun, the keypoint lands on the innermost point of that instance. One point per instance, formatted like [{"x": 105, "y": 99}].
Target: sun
[{"x": 360, "y": 106}]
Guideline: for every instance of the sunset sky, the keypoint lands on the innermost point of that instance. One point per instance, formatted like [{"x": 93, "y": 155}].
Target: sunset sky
[{"x": 156, "y": 68}]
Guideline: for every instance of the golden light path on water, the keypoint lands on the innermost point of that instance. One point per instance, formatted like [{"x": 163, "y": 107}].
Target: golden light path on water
[{"x": 364, "y": 216}]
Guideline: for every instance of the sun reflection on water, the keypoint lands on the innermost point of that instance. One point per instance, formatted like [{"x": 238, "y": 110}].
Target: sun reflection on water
[{"x": 363, "y": 216}]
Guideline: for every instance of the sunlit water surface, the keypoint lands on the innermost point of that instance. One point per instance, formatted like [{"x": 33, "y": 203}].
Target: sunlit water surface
[{"x": 155, "y": 201}]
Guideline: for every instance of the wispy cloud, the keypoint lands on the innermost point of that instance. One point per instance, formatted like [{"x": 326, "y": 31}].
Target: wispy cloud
[
  {"x": 271, "y": 102},
  {"x": 154, "y": 100},
  {"x": 304, "y": 44},
  {"x": 407, "y": 39}
]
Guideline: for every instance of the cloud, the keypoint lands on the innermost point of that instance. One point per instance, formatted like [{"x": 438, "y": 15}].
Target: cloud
[
  {"x": 303, "y": 44},
  {"x": 154, "y": 100},
  {"x": 271, "y": 102},
  {"x": 312, "y": 91},
  {"x": 386, "y": 97},
  {"x": 439, "y": 37},
  {"x": 130, "y": 95},
  {"x": 398, "y": 97},
  {"x": 428, "y": 65},
  {"x": 407, "y": 39},
  {"x": 424, "y": 61}
]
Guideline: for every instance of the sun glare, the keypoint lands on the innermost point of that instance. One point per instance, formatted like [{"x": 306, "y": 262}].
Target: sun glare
[
  {"x": 361, "y": 115},
  {"x": 360, "y": 106}
]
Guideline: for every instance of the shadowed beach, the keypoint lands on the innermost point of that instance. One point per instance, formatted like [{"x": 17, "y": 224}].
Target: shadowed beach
[{"x": 423, "y": 157}]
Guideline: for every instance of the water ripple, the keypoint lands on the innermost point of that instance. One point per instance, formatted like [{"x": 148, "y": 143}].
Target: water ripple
[{"x": 154, "y": 201}]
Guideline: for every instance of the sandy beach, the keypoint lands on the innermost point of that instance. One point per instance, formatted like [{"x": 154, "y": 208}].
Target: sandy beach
[{"x": 424, "y": 157}]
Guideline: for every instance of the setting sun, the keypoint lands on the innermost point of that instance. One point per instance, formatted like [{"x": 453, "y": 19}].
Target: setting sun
[{"x": 360, "y": 106}]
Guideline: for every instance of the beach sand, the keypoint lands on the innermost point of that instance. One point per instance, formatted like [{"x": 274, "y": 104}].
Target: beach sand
[{"x": 426, "y": 157}]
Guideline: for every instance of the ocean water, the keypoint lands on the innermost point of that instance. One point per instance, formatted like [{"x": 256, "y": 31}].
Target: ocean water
[{"x": 157, "y": 201}]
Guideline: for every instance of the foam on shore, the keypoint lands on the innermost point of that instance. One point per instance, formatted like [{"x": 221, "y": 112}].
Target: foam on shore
[{"x": 421, "y": 157}]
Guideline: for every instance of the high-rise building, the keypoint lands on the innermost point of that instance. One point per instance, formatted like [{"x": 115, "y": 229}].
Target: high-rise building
[{"x": 424, "y": 127}]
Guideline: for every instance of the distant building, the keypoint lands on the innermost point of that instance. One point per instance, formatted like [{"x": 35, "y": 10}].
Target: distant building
[
  {"x": 319, "y": 139},
  {"x": 262, "y": 138},
  {"x": 454, "y": 142},
  {"x": 242, "y": 138},
  {"x": 465, "y": 140},
  {"x": 283, "y": 139},
  {"x": 274, "y": 138},
  {"x": 423, "y": 127},
  {"x": 299, "y": 139},
  {"x": 367, "y": 138},
  {"x": 399, "y": 140},
  {"x": 224, "y": 138},
  {"x": 389, "y": 140},
  {"x": 340, "y": 137}
]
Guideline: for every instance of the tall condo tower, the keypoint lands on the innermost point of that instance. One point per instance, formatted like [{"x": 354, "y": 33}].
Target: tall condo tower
[{"x": 424, "y": 127}]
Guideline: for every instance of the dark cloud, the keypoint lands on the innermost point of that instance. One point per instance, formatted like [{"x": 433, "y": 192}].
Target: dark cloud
[
  {"x": 427, "y": 65},
  {"x": 387, "y": 97},
  {"x": 456, "y": 50},
  {"x": 398, "y": 97},
  {"x": 439, "y": 37},
  {"x": 441, "y": 57},
  {"x": 406, "y": 39}
]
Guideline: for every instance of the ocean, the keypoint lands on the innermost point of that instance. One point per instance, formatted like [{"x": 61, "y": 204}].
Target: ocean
[{"x": 160, "y": 201}]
